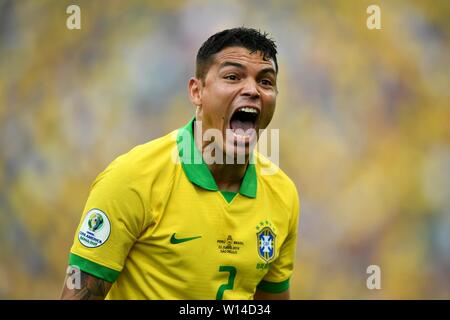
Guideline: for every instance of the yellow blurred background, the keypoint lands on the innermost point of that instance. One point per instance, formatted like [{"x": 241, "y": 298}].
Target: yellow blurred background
[{"x": 363, "y": 117}]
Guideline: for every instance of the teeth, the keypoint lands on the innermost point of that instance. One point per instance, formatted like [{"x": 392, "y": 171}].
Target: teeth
[
  {"x": 248, "y": 109},
  {"x": 240, "y": 135}
]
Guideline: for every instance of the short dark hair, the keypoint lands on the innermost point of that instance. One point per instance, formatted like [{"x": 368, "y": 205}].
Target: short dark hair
[{"x": 248, "y": 38}]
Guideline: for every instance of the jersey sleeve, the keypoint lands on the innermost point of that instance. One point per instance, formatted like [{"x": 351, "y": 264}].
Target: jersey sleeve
[
  {"x": 277, "y": 278},
  {"x": 112, "y": 220}
]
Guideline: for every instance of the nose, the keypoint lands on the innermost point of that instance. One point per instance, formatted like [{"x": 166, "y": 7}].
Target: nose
[{"x": 250, "y": 89}]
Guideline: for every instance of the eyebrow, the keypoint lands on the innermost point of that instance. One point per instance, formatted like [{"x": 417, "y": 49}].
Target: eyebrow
[
  {"x": 231, "y": 64},
  {"x": 241, "y": 66}
]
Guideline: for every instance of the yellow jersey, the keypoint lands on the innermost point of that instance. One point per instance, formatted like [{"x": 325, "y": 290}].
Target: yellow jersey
[{"x": 156, "y": 225}]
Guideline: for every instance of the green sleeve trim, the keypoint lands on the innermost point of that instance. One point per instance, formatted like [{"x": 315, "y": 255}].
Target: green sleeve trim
[
  {"x": 93, "y": 268},
  {"x": 273, "y": 287}
]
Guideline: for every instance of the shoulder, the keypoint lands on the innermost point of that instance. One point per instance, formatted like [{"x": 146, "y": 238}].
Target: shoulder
[
  {"x": 278, "y": 183},
  {"x": 147, "y": 161},
  {"x": 132, "y": 184},
  {"x": 139, "y": 177}
]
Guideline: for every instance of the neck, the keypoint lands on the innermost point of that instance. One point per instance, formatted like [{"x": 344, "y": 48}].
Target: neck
[{"x": 228, "y": 177}]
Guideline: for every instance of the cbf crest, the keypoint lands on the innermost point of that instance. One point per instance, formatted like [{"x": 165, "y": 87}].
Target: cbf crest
[{"x": 266, "y": 238}]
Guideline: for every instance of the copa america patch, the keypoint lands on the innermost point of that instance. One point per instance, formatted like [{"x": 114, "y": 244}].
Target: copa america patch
[
  {"x": 266, "y": 243},
  {"x": 95, "y": 229}
]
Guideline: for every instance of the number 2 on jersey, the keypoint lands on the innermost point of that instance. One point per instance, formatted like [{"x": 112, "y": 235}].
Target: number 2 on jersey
[{"x": 229, "y": 286}]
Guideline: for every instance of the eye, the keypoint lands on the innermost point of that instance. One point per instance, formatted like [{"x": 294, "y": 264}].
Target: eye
[
  {"x": 266, "y": 82},
  {"x": 231, "y": 77}
]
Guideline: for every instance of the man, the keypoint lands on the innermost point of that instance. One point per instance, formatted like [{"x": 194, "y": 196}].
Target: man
[{"x": 200, "y": 224}]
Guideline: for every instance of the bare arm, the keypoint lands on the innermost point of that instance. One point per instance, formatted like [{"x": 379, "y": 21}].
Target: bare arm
[
  {"x": 90, "y": 288},
  {"x": 263, "y": 295}
]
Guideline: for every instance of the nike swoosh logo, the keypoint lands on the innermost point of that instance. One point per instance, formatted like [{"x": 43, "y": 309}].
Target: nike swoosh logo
[{"x": 174, "y": 240}]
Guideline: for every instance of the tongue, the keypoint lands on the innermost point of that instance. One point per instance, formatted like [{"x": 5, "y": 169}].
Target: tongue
[{"x": 243, "y": 125}]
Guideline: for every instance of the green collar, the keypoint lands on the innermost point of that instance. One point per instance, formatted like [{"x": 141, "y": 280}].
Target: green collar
[{"x": 198, "y": 172}]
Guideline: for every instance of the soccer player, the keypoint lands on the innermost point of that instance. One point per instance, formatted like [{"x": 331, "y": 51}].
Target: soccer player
[{"x": 180, "y": 217}]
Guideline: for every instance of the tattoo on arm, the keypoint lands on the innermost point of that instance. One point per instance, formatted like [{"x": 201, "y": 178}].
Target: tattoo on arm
[{"x": 90, "y": 288}]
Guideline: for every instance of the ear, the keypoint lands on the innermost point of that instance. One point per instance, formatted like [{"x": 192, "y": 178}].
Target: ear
[{"x": 195, "y": 91}]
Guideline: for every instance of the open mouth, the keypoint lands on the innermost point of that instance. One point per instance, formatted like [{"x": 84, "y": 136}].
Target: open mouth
[{"x": 243, "y": 119}]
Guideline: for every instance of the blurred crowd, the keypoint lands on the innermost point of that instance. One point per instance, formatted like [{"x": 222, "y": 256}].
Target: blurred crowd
[{"x": 363, "y": 117}]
